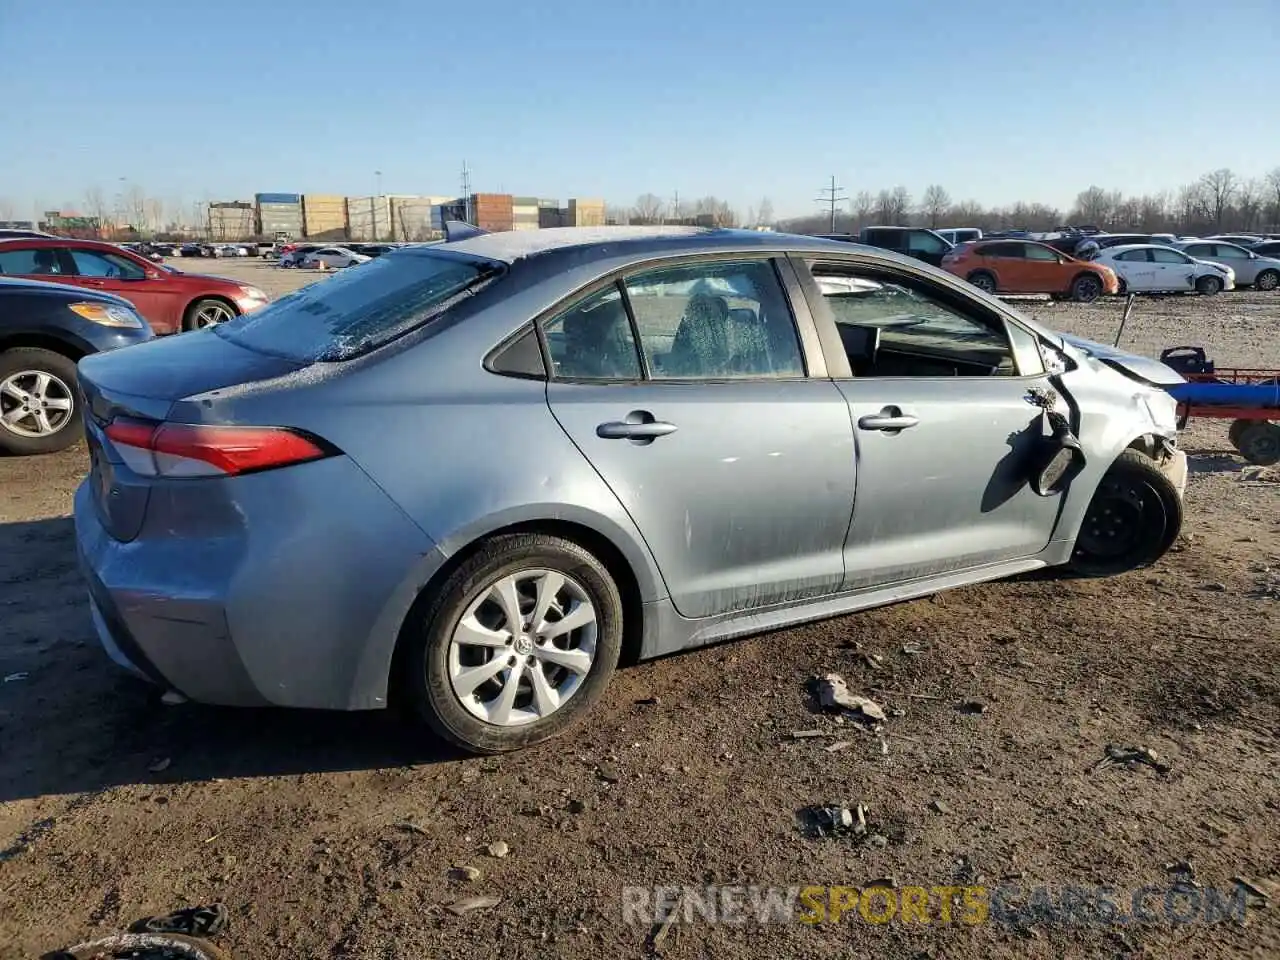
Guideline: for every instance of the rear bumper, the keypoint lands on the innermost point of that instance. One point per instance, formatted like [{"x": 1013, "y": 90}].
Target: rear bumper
[{"x": 290, "y": 594}]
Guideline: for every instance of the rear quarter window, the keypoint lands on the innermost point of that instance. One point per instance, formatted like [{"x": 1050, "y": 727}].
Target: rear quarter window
[{"x": 361, "y": 309}]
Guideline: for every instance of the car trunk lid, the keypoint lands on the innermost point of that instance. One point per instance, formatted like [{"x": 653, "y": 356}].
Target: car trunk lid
[{"x": 144, "y": 383}]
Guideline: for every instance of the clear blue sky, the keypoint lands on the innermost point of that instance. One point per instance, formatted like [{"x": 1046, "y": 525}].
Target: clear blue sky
[{"x": 998, "y": 101}]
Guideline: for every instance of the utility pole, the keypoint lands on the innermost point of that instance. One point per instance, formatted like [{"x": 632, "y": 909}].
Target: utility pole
[
  {"x": 466, "y": 192},
  {"x": 373, "y": 208},
  {"x": 832, "y": 195},
  {"x": 675, "y": 207}
]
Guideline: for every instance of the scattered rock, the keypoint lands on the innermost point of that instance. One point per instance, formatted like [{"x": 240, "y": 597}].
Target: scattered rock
[
  {"x": 937, "y": 806},
  {"x": 468, "y": 904},
  {"x": 877, "y": 840},
  {"x": 648, "y": 702},
  {"x": 607, "y": 773},
  {"x": 1260, "y": 891},
  {"x": 890, "y": 883},
  {"x": 499, "y": 849},
  {"x": 1215, "y": 587},
  {"x": 470, "y": 774},
  {"x": 577, "y": 806},
  {"x": 1256, "y": 474},
  {"x": 971, "y": 706},
  {"x": 838, "y": 746},
  {"x": 806, "y": 734},
  {"x": 833, "y": 693},
  {"x": 469, "y": 874}
]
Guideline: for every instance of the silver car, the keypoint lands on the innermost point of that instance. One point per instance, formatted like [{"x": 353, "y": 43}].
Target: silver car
[
  {"x": 1263, "y": 273},
  {"x": 475, "y": 476}
]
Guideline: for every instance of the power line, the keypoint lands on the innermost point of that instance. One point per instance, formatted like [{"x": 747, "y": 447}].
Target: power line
[{"x": 832, "y": 195}]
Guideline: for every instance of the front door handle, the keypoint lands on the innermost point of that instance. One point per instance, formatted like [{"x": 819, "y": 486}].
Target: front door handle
[
  {"x": 92, "y": 282},
  {"x": 639, "y": 426},
  {"x": 889, "y": 419}
]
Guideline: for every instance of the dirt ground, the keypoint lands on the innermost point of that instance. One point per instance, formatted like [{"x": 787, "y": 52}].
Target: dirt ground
[{"x": 334, "y": 835}]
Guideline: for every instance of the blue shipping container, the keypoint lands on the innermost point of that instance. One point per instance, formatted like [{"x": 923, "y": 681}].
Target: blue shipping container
[{"x": 278, "y": 197}]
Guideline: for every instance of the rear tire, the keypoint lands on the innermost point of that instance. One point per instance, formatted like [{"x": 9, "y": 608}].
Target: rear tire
[
  {"x": 1208, "y": 286},
  {"x": 468, "y": 605},
  {"x": 1266, "y": 280},
  {"x": 45, "y": 429},
  {"x": 207, "y": 313},
  {"x": 1133, "y": 519},
  {"x": 1086, "y": 288},
  {"x": 1258, "y": 442},
  {"x": 983, "y": 280}
]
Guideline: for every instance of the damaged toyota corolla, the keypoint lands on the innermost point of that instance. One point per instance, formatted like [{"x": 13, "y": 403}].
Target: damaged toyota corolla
[{"x": 473, "y": 476}]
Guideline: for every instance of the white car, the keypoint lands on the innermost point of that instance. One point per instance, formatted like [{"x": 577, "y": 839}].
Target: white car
[
  {"x": 1150, "y": 268},
  {"x": 334, "y": 258}
]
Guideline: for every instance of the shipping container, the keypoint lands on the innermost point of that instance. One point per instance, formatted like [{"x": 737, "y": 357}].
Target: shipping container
[
  {"x": 369, "y": 218},
  {"x": 324, "y": 216},
  {"x": 416, "y": 218},
  {"x": 231, "y": 220},
  {"x": 261, "y": 198},
  {"x": 585, "y": 213},
  {"x": 551, "y": 217}
]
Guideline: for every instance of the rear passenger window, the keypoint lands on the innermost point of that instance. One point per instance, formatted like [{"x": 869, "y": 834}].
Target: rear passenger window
[
  {"x": 715, "y": 321},
  {"x": 592, "y": 340}
]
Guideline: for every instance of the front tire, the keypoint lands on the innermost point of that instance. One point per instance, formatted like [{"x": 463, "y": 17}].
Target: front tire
[
  {"x": 517, "y": 645},
  {"x": 1208, "y": 286},
  {"x": 207, "y": 313},
  {"x": 1267, "y": 280},
  {"x": 39, "y": 402},
  {"x": 1133, "y": 519},
  {"x": 1086, "y": 288}
]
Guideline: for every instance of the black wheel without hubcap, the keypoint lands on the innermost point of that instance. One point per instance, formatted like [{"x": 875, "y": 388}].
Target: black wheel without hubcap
[
  {"x": 983, "y": 281},
  {"x": 38, "y": 408},
  {"x": 1267, "y": 280},
  {"x": 1258, "y": 441},
  {"x": 1208, "y": 286},
  {"x": 1086, "y": 288},
  {"x": 517, "y": 645},
  {"x": 1134, "y": 517}
]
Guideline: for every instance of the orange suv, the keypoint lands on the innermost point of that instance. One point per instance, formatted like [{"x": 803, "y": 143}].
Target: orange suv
[{"x": 1024, "y": 266}]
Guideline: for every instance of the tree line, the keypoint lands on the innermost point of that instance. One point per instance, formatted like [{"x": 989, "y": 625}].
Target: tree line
[{"x": 1219, "y": 201}]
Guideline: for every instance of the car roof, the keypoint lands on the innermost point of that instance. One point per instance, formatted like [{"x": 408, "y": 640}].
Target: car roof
[
  {"x": 1122, "y": 247},
  {"x": 513, "y": 245}
]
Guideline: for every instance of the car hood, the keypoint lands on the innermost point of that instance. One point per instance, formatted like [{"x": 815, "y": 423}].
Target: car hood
[
  {"x": 206, "y": 278},
  {"x": 1138, "y": 367}
]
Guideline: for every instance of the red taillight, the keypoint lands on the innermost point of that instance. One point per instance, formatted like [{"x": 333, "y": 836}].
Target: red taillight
[{"x": 195, "y": 450}]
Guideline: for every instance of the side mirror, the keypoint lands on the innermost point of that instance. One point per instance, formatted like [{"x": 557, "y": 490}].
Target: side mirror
[{"x": 1061, "y": 458}]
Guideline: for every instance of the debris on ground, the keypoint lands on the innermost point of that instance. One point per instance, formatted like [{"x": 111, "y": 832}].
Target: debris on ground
[
  {"x": 834, "y": 694},
  {"x": 577, "y": 806},
  {"x": 807, "y": 734},
  {"x": 1259, "y": 475},
  {"x": 1260, "y": 891},
  {"x": 410, "y": 827},
  {"x": 648, "y": 702},
  {"x": 834, "y": 819},
  {"x": 838, "y": 746},
  {"x": 462, "y": 872},
  {"x": 141, "y": 946},
  {"x": 971, "y": 706},
  {"x": 1130, "y": 757},
  {"x": 499, "y": 849},
  {"x": 607, "y": 773},
  {"x": 468, "y": 904},
  {"x": 203, "y": 921},
  {"x": 937, "y": 806}
]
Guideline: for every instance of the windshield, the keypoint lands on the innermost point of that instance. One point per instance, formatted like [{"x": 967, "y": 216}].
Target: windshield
[{"x": 361, "y": 308}]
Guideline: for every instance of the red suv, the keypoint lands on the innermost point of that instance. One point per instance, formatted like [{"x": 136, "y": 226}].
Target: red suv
[{"x": 169, "y": 299}]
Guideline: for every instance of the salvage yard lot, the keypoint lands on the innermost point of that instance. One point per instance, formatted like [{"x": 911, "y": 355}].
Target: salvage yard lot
[{"x": 334, "y": 835}]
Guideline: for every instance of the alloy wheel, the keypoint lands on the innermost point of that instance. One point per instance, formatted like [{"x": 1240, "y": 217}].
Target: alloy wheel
[
  {"x": 35, "y": 403},
  {"x": 1268, "y": 281},
  {"x": 523, "y": 647},
  {"x": 213, "y": 313}
]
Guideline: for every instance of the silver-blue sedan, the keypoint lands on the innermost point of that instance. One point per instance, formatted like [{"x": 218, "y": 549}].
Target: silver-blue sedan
[{"x": 477, "y": 474}]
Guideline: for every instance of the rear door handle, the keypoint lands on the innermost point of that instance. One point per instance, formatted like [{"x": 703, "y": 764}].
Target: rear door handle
[
  {"x": 889, "y": 419},
  {"x": 90, "y": 282},
  {"x": 639, "y": 425}
]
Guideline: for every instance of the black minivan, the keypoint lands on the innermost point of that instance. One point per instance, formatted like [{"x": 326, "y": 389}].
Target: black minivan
[{"x": 918, "y": 242}]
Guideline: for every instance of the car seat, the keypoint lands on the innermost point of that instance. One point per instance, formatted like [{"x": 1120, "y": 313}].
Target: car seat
[
  {"x": 701, "y": 344},
  {"x": 598, "y": 344}
]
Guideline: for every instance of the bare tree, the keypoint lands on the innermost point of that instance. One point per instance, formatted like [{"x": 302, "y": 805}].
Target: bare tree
[
  {"x": 648, "y": 208},
  {"x": 96, "y": 206},
  {"x": 1219, "y": 186},
  {"x": 7, "y": 209},
  {"x": 862, "y": 206},
  {"x": 135, "y": 207},
  {"x": 764, "y": 213},
  {"x": 1273, "y": 181},
  {"x": 1153, "y": 216},
  {"x": 935, "y": 203},
  {"x": 1249, "y": 203},
  {"x": 719, "y": 211},
  {"x": 1095, "y": 206}
]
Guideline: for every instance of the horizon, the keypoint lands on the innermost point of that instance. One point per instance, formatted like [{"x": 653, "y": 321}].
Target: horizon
[{"x": 576, "y": 101}]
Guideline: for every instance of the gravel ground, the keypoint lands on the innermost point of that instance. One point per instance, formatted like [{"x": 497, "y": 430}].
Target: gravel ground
[{"x": 334, "y": 835}]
